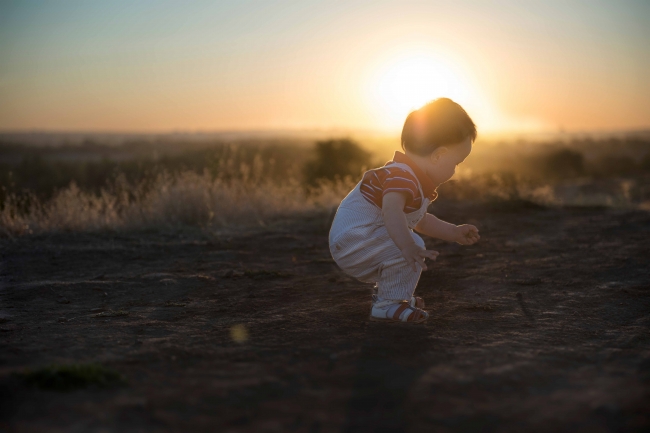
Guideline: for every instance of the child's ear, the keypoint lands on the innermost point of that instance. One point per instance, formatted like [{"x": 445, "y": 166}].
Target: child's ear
[{"x": 438, "y": 153}]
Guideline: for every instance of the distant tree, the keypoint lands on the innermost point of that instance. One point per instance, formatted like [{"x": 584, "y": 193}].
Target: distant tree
[
  {"x": 645, "y": 163},
  {"x": 615, "y": 165},
  {"x": 563, "y": 163},
  {"x": 336, "y": 158}
]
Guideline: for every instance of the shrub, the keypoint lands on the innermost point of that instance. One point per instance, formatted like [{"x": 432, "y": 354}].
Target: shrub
[
  {"x": 335, "y": 160},
  {"x": 614, "y": 165},
  {"x": 563, "y": 163}
]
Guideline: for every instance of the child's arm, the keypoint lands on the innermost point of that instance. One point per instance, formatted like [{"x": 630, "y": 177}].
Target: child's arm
[
  {"x": 397, "y": 227},
  {"x": 465, "y": 234}
]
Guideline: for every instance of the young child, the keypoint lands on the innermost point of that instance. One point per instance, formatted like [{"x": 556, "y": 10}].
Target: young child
[{"x": 371, "y": 237}]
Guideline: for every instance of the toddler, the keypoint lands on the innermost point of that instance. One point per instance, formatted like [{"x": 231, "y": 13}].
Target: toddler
[{"x": 372, "y": 236}]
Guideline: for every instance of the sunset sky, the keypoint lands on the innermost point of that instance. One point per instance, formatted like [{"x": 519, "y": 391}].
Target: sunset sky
[{"x": 155, "y": 66}]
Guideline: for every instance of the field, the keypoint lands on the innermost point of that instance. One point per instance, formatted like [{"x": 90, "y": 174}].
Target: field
[{"x": 238, "y": 320}]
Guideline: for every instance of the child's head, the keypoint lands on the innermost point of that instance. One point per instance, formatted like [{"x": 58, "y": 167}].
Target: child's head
[{"x": 440, "y": 135}]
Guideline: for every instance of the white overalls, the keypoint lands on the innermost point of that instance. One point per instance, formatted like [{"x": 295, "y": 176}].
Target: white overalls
[{"x": 361, "y": 246}]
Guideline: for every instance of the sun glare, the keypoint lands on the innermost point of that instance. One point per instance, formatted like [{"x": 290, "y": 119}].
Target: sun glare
[{"x": 408, "y": 82}]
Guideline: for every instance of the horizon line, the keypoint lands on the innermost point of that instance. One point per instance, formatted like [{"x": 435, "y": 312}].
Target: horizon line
[{"x": 270, "y": 131}]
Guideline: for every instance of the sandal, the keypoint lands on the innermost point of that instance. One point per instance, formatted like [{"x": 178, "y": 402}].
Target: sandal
[
  {"x": 417, "y": 302},
  {"x": 400, "y": 312}
]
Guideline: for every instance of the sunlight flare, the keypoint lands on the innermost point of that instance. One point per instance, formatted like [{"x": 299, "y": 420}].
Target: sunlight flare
[{"x": 407, "y": 82}]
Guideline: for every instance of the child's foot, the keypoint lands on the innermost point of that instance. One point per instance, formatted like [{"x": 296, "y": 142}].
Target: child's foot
[
  {"x": 397, "y": 311},
  {"x": 417, "y": 302}
]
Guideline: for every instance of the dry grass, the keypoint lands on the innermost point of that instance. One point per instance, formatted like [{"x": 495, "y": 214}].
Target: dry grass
[
  {"x": 505, "y": 186},
  {"x": 244, "y": 200},
  {"x": 186, "y": 199}
]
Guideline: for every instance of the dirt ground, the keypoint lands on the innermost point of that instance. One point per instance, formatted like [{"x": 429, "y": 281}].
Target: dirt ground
[{"x": 541, "y": 326}]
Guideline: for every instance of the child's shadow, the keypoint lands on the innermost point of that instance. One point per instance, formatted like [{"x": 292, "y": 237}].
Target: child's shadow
[{"x": 390, "y": 363}]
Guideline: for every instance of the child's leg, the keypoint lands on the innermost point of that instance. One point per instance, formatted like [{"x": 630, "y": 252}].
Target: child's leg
[
  {"x": 397, "y": 280},
  {"x": 396, "y": 283}
]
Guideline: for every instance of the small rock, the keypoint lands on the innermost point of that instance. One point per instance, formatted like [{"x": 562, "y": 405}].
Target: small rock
[
  {"x": 96, "y": 310},
  {"x": 112, "y": 313},
  {"x": 62, "y": 320},
  {"x": 175, "y": 304},
  {"x": 167, "y": 281},
  {"x": 63, "y": 300},
  {"x": 529, "y": 282}
]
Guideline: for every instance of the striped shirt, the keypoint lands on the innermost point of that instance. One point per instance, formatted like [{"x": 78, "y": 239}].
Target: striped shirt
[{"x": 380, "y": 181}]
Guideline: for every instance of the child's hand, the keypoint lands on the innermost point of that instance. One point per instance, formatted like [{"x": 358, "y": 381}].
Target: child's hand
[
  {"x": 467, "y": 234},
  {"x": 415, "y": 254}
]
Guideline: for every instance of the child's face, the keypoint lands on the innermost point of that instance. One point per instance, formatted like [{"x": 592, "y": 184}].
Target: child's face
[{"x": 441, "y": 164}]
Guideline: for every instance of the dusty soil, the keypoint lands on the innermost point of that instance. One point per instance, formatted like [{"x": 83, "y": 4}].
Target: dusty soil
[{"x": 542, "y": 326}]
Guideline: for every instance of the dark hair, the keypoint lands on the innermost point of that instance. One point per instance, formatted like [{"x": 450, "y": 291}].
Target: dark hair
[{"x": 438, "y": 123}]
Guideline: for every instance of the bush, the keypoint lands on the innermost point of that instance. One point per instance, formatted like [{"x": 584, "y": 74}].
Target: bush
[
  {"x": 563, "y": 163},
  {"x": 611, "y": 165},
  {"x": 645, "y": 163},
  {"x": 335, "y": 160}
]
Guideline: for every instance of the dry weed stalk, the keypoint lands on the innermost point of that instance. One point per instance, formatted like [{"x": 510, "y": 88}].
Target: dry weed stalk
[
  {"x": 240, "y": 196},
  {"x": 185, "y": 199}
]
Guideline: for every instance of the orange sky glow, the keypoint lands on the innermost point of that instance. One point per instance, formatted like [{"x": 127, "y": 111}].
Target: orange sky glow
[{"x": 209, "y": 66}]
